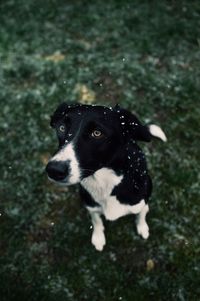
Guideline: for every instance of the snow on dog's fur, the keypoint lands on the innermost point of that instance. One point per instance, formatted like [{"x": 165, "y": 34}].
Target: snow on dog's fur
[{"x": 98, "y": 149}]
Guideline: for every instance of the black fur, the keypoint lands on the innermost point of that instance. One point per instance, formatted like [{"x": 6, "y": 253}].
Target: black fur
[{"x": 117, "y": 150}]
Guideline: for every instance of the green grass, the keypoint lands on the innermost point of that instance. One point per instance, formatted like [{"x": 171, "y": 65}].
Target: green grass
[{"x": 144, "y": 55}]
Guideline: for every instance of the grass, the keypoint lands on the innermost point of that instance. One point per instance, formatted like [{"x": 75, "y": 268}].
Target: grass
[{"x": 145, "y": 56}]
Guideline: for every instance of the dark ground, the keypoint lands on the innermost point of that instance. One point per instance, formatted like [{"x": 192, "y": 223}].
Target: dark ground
[{"x": 144, "y": 55}]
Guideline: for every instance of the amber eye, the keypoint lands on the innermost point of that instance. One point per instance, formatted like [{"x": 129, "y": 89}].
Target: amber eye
[
  {"x": 62, "y": 128},
  {"x": 97, "y": 134}
]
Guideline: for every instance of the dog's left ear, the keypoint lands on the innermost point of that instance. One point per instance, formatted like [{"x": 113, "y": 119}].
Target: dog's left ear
[
  {"x": 59, "y": 113},
  {"x": 131, "y": 127}
]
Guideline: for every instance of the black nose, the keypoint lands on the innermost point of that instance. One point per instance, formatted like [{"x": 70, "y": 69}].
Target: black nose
[{"x": 57, "y": 170}]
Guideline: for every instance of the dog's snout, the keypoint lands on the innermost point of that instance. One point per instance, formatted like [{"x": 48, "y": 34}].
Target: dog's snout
[{"x": 57, "y": 171}]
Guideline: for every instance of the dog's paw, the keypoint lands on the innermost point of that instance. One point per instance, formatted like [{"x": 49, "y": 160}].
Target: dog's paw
[
  {"x": 143, "y": 230},
  {"x": 98, "y": 240}
]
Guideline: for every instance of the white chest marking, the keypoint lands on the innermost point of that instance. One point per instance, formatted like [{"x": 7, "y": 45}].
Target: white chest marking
[{"x": 100, "y": 186}]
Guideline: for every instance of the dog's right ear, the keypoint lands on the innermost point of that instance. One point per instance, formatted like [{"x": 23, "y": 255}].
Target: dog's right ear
[
  {"x": 131, "y": 126},
  {"x": 59, "y": 113}
]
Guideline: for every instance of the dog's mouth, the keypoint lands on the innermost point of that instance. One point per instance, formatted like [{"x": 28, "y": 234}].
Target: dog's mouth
[{"x": 59, "y": 182}]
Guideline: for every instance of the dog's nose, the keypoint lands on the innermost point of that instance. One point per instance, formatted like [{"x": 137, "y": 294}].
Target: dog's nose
[{"x": 57, "y": 170}]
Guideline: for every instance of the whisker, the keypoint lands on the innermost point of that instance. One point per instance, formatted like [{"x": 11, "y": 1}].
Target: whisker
[{"x": 86, "y": 169}]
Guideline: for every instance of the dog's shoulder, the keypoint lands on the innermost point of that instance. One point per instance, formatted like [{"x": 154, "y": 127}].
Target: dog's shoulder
[{"x": 136, "y": 183}]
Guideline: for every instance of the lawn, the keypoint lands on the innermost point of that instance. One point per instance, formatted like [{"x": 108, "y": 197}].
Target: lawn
[{"x": 144, "y": 55}]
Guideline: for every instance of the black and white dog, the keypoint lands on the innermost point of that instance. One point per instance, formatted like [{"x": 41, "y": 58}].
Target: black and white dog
[{"x": 98, "y": 149}]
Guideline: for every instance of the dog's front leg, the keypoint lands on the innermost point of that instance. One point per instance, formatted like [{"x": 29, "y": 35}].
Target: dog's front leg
[
  {"x": 142, "y": 227},
  {"x": 98, "y": 236}
]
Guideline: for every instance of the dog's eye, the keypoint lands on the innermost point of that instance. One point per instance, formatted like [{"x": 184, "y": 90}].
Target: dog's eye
[
  {"x": 97, "y": 134},
  {"x": 62, "y": 128}
]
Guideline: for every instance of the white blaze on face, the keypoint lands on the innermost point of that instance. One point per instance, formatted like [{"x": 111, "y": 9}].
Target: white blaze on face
[{"x": 67, "y": 153}]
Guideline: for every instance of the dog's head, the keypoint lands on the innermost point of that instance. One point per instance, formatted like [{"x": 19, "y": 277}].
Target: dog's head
[{"x": 89, "y": 136}]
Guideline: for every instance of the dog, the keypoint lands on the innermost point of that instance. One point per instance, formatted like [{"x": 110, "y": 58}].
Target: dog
[{"x": 98, "y": 149}]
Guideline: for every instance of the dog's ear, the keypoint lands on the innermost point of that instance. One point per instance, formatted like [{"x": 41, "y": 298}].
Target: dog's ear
[
  {"x": 131, "y": 126},
  {"x": 59, "y": 113}
]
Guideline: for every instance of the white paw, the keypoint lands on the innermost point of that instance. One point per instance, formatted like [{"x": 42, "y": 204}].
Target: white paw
[
  {"x": 143, "y": 230},
  {"x": 98, "y": 240}
]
